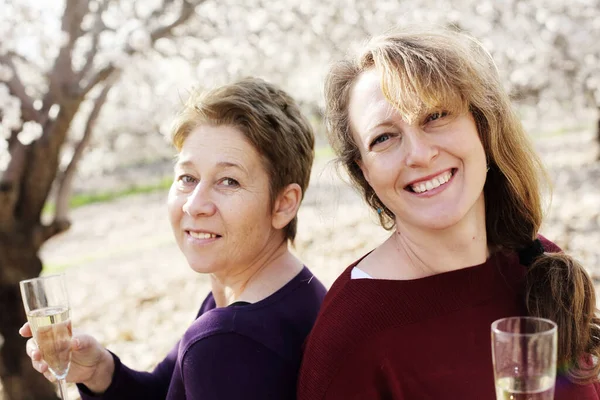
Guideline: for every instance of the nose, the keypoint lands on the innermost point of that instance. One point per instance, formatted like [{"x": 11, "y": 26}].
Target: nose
[
  {"x": 420, "y": 150},
  {"x": 199, "y": 202}
]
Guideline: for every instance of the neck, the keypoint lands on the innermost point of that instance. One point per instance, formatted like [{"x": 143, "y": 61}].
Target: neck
[
  {"x": 430, "y": 252},
  {"x": 257, "y": 280}
]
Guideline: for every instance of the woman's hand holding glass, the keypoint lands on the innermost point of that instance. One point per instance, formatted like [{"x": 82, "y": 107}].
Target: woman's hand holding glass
[
  {"x": 52, "y": 349},
  {"x": 91, "y": 364}
]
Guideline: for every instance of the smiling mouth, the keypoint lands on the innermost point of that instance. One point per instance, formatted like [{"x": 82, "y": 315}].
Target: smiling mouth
[
  {"x": 203, "y": 235},
  {"x": 422, "y": 187}
]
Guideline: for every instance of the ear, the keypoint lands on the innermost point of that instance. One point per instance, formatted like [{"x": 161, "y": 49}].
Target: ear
[
  {"x": 286, "y": 205},
  {"x": 364, "y": 170}
]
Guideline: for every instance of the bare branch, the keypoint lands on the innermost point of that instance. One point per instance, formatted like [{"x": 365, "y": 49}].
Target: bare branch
[
  {"x": 42, "y": 164},
  {"x": 75, "y": 10},
  {"x": 99, "y": 77},
  {"x": 26, "y": 61},
  {"x": 44, "y": 232},
  {"x": 10, "y": 184},
  {"x": 8, "y": 197},
  {"x": 187, "y": 10},
  {"x": 17, "y": 89},
  {"x": 66, "y": 179},
  {"x": 61, "y": 77},
  {"x": 99, "y": 27}
]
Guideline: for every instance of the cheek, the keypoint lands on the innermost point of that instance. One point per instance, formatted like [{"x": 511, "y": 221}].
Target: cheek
[
  {"x": 250, "y": 223},
  {"x": 174, "y": 207},
  {"x": 382, "y": 172}
]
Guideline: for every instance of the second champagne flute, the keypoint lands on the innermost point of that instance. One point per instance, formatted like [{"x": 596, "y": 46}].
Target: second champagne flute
[{"x": 524, "y": 352}]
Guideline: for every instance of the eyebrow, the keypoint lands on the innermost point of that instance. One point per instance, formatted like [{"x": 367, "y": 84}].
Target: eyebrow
[
  {"x": 383, "y": 111},
  {"x": 220, "y": 164},
  {"x": 386, "y": 123}
]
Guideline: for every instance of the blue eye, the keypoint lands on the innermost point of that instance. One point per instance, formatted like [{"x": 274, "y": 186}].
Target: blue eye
[
  {"x": 436, "y": 115},
  {"x": 380, "y": 139}
]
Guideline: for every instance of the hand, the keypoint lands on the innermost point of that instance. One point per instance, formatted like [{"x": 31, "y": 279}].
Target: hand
[{"x": 91, "y": 364}]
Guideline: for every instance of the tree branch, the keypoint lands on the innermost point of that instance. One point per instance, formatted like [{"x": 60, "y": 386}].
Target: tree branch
[
  {"x": 65, "y": 90},
  {"x": 42, "y": 164},
  {"x": 44, "y": 232},
  {"x": 99, "y": 77},
  {"x": 10, "y": 184},
  {"x": 65, "y": 182},
  {"x": 17, "y": 89},
  {"x": 99, "y": 27},
  {"x": 61, "y": 76},
  {"x": 187, "y": 10},
  {"x": 26, "y": 60}
]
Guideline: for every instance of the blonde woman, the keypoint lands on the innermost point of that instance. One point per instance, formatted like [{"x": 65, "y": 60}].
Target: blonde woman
[{"x": 426, "y": 132}]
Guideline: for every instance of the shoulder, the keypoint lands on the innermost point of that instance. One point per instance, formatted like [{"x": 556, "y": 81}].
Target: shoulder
[
  {"x": 349, "y": 307},
  {"x": 304, "y": 285},
  {"x": 548, "y": 245},
  {"x": 279, "y": 322},
  {"x": 230, "y": 365}
]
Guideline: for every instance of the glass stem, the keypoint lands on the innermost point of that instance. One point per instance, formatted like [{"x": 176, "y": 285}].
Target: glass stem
[{"x": 62, "y": 388}]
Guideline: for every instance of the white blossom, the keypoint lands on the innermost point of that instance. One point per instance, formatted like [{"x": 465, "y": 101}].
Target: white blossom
[
  {"x": 140, "y": 40},
  {"x": 4, "y": 132},
  {"x": 53, "y": 111},
  {"x": 145, "y": 8},
  {"x": 88, "y": 22},
  {"x": 30, "y": 131}
]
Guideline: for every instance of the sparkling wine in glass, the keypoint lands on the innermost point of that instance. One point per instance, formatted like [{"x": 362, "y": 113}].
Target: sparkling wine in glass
[
  {"x": 46, "y": 304},
  {"x": 524, "y": 352}
]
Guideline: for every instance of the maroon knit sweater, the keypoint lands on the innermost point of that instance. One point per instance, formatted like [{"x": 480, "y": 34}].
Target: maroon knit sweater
[{"x": 426, "y": 338}]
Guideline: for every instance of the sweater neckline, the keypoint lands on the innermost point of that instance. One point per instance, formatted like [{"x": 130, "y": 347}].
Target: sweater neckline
[
  {"x": 303, "y": 276},
  {"x": 489, "y": 262},
  {"x": 453, "y": 289}
]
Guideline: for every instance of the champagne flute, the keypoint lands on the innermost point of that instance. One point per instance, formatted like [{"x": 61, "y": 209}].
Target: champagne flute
[
  {"x": 524, "y": 352},
  {"x": 47, "y": 307}
]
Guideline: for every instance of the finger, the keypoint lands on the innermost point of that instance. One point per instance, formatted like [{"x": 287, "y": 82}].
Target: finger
[
  {"x": 32, "y": 350},
  {"x": 83, "y": 343},
  {"x": 40, "y": 366},
  {"x": 77, "y": 344},
  {"x": 48, "y": 375},
  {"x": 25, "y": 330}
]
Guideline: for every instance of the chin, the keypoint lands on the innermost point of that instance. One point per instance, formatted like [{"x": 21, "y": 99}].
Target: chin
[
  {"x": 438, "y": 223},
  {"x": 201, "y": 267}
]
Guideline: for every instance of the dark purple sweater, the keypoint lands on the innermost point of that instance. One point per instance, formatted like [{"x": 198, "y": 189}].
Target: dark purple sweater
[{"x": 249, "y": 351}]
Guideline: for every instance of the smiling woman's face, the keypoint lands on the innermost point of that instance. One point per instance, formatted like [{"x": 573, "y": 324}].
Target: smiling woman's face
[
  {"x": 219, "y": 203},
  {"x": 429, "y": 173}
]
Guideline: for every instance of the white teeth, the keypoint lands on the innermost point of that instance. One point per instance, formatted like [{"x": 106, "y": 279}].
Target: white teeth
[
  {"x": 432, "y": 183},
  {"x": 202, "y": 235}
]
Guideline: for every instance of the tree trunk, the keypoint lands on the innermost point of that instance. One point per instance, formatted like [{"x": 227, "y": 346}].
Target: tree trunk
[
  {"x": 598, "y": 134},
  {"x": 18, "y": 260}
]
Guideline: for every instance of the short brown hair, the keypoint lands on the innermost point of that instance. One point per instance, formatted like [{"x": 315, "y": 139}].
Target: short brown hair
[
  {"x": 271, "y": 121},
  {"x": 443, "y": 68}
]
